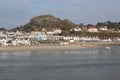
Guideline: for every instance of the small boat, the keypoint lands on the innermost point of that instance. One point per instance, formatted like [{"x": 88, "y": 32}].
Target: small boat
[{"x": 108, "y": 47}]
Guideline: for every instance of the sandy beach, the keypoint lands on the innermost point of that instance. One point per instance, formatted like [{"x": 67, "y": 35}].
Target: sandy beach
[
  {"x": 42, "y": 47},
  {"x": 26, "y": 48},
  {"x": 50, "y": 47}
]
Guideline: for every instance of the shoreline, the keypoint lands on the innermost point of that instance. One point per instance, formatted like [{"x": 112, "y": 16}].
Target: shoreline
[
  {"x": 53, "y": 47},
  {"x": 40, "y": 47}
]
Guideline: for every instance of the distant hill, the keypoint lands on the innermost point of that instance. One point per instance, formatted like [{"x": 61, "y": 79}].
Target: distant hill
[{"x": 46, "y": 21}]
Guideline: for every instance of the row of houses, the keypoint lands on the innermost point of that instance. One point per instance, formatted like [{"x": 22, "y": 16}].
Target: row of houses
[
  {"x": 29, "y": 38},
  {"x": 92, "y": 28},
  {"x": 13, "y": 38}
]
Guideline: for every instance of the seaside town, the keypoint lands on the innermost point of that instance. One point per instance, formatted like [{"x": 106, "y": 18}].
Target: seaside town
[
  {"x": 59, "y": 39},
  {"x": 51, "y": 30},
  {"x": 38, "y": 37}
]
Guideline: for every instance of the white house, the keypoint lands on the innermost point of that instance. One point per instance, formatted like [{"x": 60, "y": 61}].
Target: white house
[
  {"x": 57, "y": 31},
  {"x": 10, "y": 34},
  {"x": 3, "y": 42},
  {"x": 2, "y": 35},
  {"x": 103, "y": 28},
  {"x": 50, "y": 32},
  {"x": 77, "y": 29},
  {"x": 54, "y": 31},
  {"x": 92, "y": 29}
]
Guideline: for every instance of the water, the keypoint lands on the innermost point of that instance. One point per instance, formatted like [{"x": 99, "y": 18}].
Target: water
[{"x": 82, "y": 64}]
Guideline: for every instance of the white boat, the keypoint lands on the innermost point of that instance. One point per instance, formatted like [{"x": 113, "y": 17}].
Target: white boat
[{"x": 108, "y": 47}]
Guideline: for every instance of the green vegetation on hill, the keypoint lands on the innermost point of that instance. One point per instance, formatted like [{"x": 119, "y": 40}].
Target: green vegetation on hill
[
  {"x": 110, "y": 25},
  {"x": 48, "y": 22}
]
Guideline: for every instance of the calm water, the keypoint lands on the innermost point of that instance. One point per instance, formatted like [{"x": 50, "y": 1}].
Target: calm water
[{"x": 82, "y": 64}]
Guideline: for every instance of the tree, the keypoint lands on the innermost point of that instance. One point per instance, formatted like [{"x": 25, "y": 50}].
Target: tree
[
  {"x": 100, "y": 24},
  {"x": 2, "y": 29}
]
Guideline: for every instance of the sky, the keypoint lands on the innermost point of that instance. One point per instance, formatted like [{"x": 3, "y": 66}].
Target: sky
[{"x": 14, "y": 13}]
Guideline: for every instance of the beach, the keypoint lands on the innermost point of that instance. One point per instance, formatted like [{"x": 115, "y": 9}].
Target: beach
[
  {"x": 44, "y": 47},
  {"x": 41, "y": 47},
  {"x": 54, "y": 46}
]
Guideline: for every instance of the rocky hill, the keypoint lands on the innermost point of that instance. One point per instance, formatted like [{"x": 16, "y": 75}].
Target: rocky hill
[{"x": 48, "y": 22}]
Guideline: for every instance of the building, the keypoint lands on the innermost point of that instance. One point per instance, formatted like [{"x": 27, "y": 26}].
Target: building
[
  {"x": 54, "y": 31},
  {"x": 103, "y": 28},
  {"x": 92, "y": 29},
  {"x": 42, "y": 37},
  {"x": 76, "y": 29}
]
